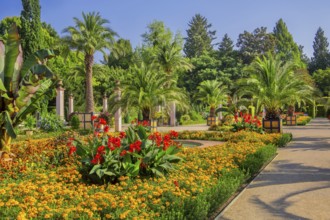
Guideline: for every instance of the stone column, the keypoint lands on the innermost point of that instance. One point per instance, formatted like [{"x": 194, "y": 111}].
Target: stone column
[
  {"x": 105, "y": 103},
  {"x": 118, "y": 112},
  {"x": 220, "y": 112},
  {"x": 71, "y": 106},
  {"x": 60, "y": 100},
  {"x": 172, "y": 114}
]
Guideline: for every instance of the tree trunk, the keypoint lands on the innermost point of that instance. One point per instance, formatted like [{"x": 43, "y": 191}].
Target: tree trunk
[
  {"x": 212, "y": 111},
  {"x": 89, "y": 61},
  {"x": 291, "y": 110},
  {"x": 145, "y": 114}
]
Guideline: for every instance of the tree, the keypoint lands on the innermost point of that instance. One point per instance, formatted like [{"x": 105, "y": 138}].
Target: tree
[
  {"x": 320, "y": 59},
  {"x": 157, "y": 34},
  {"x": 285, "y": 46},
  {"x": 273, "y": 84},
  {"x": 257, "y": 43},
  {"x": 230, "y": 63},
  {"x": 7, "y": 23},
  {"x": 322, "y": 80},
  {"x": 88, "y": 36},
  {"x": 212, "y": 93},
  {"x": 22, "y": 85},
  {"x": 199, "y": 37},
  {"x": 145, "y": 88},
  {"x": 121, "y": 55},
  {"x": 30, "y": 31}
]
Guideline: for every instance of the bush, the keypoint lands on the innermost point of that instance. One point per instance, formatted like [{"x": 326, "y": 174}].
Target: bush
[
  {"x": 184, "y": 118},
  {"x": 284, "y": 140},
  {"x": 224, "y": 128},
  {"x": 254, "y": 162},
  {"x": 50, "y": 123},
  {"x": 30, "y": 122},
  {"x": 75, "y": 122}
]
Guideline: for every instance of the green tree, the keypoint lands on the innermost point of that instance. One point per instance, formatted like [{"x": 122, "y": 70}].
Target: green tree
[
  {"x": 320, "y": 59},
  {"x": 230, "y": 63},
  {"x": 121, "y": 55},
  {"x": 145, "y": 88},
  {"x": 199, "y": 37},
  {"x": 257, "y": 43},
  {"x": 322, "y": 80},
  {"x": 285, "y": 45},
  {"x": 157, "y": 34},
  {"x": 213, "y": 93},
  {"x": 7, "y": 23},
  {"x": 22, "y": 85},
  {"x": 273, "y": 84},
  {"x": 30, "y": 32},
  {"x": 88, "y": 36}
]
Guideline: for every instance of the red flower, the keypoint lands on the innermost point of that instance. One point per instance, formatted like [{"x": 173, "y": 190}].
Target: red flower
[
  {"x": 236, "y": 118},
  {"x": 101, "y": 150},
  {"x": 102, "y": 121},
  {"x": 173, "y": 134},
  {"x": 94, "y": 117},
  {"x": 106, "y": 129},
  {"x": 136, "y": 146},
  {"x": 156, "y": 137},
  {"x": 72, "y": 150},
  {"x": 176, "y": 183},
  {"x": 122, "y": 135},
  {"x": 123, "y": 153},
  {"x": 114, "y": 142},
  {"x": 97, "y": 159},
  {"x": 145, "y": 123}
]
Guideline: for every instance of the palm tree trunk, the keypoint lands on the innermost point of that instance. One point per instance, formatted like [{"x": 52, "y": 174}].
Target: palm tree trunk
[
  {"x": 145, "y": 114},
  {"x": 212, "y": 111},
  {"x": 89, "y": 61}
]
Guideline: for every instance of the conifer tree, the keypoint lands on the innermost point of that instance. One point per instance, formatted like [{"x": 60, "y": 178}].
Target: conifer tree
[
  {"x": 320, "y": 59},
  {"x": 199, "y": 37}
]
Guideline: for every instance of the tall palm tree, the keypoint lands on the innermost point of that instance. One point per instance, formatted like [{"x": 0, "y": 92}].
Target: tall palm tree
[
  {"x": 213, "y": 93},
  {"x": 144, "y": 89},
  {"x": 274, "y": 84},
  {"x": 88, "y": 36}
]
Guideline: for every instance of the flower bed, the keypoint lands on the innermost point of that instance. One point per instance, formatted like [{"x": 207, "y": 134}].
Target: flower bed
[
  {"x": 44, "y": 182},
  {"x": 303, "y": 120}
]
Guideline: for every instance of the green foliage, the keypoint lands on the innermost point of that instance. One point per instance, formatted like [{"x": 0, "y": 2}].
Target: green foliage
[
  {"x": 22, "y": 85},
  {"x": 284, "y": 140},
  {"x": 254, "y": 162},
  {"x": 30, "y": 31},
  {"x": 7, "y": 23},
  {"x": 285, "y": 46},
  {"x": 199, "y": 37},
  {"x": 322, "y": 80},
  {"x": 252, "y": 45},
  {"x": 184, "y": 118},
  {"x": 75, "y": 122},
  {"x": 320, "y": 59},
  {"x": 30, "y": 122},
  {"x": 105, "y": 159},
  {"x": 51, "y": 123}
]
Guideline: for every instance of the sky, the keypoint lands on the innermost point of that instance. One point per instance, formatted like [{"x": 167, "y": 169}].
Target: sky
[{"x": 130, "y": 18}]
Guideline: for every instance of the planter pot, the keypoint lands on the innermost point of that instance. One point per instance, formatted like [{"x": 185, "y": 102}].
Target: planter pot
[
  {"x": 272, "y": 125},
  {"x": 291, "y": 120},
  {"x": 212, "y": 121},
  {"x": 29, "y": 132}
]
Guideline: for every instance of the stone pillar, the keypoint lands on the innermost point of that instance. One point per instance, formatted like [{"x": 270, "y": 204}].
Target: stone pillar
[
  {"x": 60, "y": 100},
  {"x": 172, "y": 114},
  {"x": 264, "y": 113},
  {"x": 220, "y": 112},
  {"x": 105, "y": 103},
  {"x": 71, "y": 106},
  {"x": 118, "y": 112}
]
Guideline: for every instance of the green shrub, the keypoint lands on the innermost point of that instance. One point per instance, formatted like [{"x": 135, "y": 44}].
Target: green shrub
[
  {"x": 30, "y": 122},
  {"x": 254, "y": 162},
  {"x": 195, "y": 116},
  {"x": 185, "y": 118},
  {"x": 224, "y": 128},
  {"x": 284, "y": 140},
  {"x": 51, "y": 122},
  {"x": 75, "y": 122}
]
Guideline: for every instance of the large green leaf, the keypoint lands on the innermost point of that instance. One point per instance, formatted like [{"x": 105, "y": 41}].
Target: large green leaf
[
  {"x": 37, "y": 58},
  {"x": 8, "y": 124},
  {"x": 2, "y": 61},
  {"x": 31, "y": 106},
  {"x": 12, "y": 51}
]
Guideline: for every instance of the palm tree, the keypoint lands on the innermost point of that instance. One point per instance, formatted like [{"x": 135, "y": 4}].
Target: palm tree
[
  {"x": 274, "y": 84},
  {"x": 144, "y": 89},
  {"x": 88, "y": 36},
  {"x": 213, "y": 93}
]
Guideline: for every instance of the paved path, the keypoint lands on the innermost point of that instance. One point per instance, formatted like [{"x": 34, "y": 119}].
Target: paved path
[{"x": 295, "y": 185}]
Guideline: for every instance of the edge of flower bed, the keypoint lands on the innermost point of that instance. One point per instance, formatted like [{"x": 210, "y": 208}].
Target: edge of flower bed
[{"x": 220, "y": 211}]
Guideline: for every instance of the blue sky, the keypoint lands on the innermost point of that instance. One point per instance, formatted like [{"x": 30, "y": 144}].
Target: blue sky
[{"x": 130, "y": 18}]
